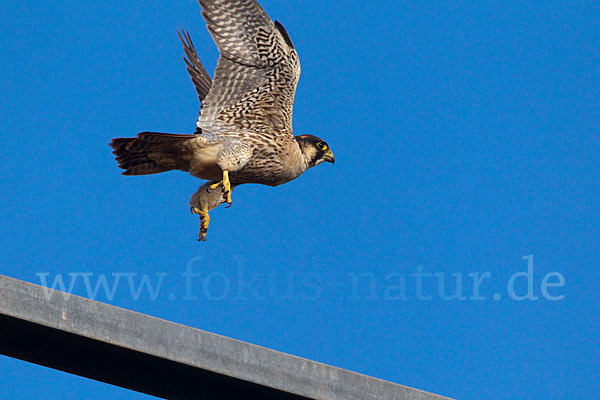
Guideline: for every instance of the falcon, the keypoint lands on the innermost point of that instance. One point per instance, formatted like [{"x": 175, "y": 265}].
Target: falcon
[{"x": 244, "y": 132}]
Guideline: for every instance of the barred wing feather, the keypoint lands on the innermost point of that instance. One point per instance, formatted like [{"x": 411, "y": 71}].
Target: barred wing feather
[{"x": 257, "y": 72}]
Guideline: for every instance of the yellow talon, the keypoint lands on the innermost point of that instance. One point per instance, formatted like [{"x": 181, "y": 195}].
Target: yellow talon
[
  {"x": 204, "y": 221},
  {"x": 226, "y": 186}
]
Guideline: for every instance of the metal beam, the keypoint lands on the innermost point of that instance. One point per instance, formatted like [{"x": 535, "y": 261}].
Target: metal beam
[{"x": 162, "y": 358}]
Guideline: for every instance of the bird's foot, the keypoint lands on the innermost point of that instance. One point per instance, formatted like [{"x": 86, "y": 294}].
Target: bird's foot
[
  {"x": 204, "y": 221},
  {"x": 226, "y": 187}
]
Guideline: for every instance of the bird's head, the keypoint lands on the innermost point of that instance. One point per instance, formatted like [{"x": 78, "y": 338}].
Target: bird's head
[{"x": 315, "y": 150}]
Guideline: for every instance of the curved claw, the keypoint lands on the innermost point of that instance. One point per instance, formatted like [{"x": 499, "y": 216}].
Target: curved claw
[
  {"x": 227, "y": 198},
  {"x": 226, "y": 187}
]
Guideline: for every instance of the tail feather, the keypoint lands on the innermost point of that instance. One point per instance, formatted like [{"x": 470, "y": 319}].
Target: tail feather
[{"x": 152, "y": 152}]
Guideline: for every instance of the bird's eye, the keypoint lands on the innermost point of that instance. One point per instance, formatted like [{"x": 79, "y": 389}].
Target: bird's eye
[{"x": 321, "y": 145}]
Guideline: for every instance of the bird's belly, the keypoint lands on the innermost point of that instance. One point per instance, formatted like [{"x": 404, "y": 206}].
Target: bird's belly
[
  {"x": 263, "y": 176},
  {"x": 204, "y": 165}
]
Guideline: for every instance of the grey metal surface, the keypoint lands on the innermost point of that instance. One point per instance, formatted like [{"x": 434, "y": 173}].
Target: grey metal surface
[{"x": 162, "y": 358}]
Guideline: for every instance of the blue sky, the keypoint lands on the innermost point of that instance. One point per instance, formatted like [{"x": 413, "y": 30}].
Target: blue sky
[{"x": 466, "y": 137}]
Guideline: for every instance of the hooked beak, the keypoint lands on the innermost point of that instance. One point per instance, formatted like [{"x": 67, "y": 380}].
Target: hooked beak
[{"x": 329, "y": 157}]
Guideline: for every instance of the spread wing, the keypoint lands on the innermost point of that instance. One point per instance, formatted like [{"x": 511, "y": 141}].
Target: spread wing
[
  {"x": 198, "y": 73},
  {"x": 257, "y": 72}
]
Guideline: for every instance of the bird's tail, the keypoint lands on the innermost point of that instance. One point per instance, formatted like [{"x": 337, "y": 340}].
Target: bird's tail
[{"x": 152, "y": 152}]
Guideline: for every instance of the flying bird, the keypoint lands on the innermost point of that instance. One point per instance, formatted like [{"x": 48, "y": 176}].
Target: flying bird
[{"x": 244, "y": 132}]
